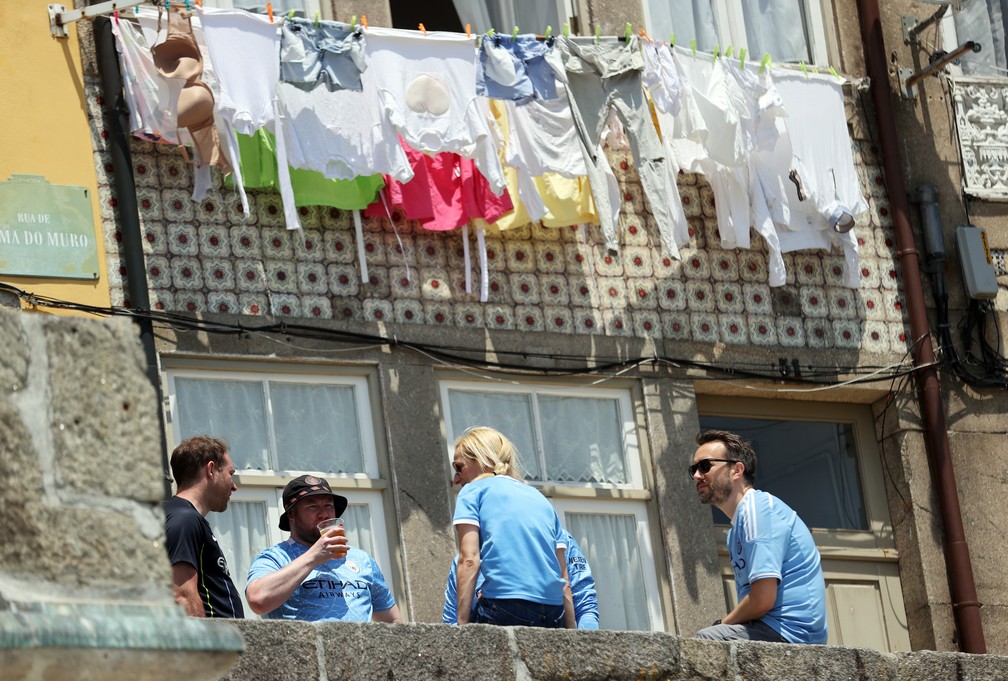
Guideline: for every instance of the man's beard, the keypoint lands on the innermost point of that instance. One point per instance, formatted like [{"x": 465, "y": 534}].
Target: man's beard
[{"x": 717, "y": 492}]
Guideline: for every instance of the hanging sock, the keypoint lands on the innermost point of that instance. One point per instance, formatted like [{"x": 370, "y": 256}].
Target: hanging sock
[{"x": 361, "y": 251}]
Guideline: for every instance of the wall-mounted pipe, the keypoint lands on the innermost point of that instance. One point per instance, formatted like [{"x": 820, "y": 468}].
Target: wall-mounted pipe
[{"x": 965, "y": 605}]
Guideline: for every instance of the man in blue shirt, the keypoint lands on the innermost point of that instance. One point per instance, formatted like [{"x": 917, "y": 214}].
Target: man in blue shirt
[
  {"x": 778, "y": 576},
  {"x": 313, "y": 577},
  {"x": 579, "y": 574}
]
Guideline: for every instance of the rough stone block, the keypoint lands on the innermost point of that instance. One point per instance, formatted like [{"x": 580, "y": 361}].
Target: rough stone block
[
  {"x": 597, "y": 655},
  {"x": 823, "y": 663},
  {"x": 927, "y": 665},
  {"x": 277, "y": 650},
  {"x": 415, "y": 652},
  {"x": 705, "y": 659},
  {"x": 104, "y": 411},
  {"x": 982, "y": 667},
  {"x": 16, "y": 352}
]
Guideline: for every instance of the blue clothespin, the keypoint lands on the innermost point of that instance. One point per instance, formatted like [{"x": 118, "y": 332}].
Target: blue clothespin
[
  {"x": 167, "y": 5},
  {"x": 187, "y": 8}
]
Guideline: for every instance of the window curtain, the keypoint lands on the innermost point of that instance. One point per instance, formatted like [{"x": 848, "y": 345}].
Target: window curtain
[
  {"x": 357, "y": 523},
  {"x": 687, "y": 19},
  {"x": 582, "y": 440},
  {"x": 609, "y": 542},
  {"x": 233, "y": 410},
  {"x": 984, "y": 22},
  {"x": 316, "y": 428},
  {"x": 509, "y": 413},
  {"x": 241, "y": 533},
  {"x": 530, "y": 16}
]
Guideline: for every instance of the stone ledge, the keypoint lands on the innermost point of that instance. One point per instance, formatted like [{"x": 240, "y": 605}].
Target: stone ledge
[{"x": 422, "y": 652}]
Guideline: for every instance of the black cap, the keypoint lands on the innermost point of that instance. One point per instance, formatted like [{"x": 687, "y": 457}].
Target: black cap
[{"x": 307, "y": 486}]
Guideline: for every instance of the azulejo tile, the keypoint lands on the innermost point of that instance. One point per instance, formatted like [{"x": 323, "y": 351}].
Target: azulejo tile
[
  {"x": 400, "y": 249},
  {"x": 664, "y": 266},
  {"x": 790, "y": 331},
  {"x": 210, "y": 209},
  {"x": 641, "y": 293},
  {"x": 583, "y": 292},
  {"x": 871, "y": 276},
  {"x": 890, "y": 276},
  {"x": 158, "y": 272},
  {"x": 378, "y": 310},
  {"x": 607, "y": 264},
  {"x": 549, "y": 257},
  {"x": 378, "y": 285},
  {"x": 762, "y": 329},
  {"x": 814, "y": 302},
  {"x": 308, "y": 245},
  {"x": 269, "y": 210},
  {"x": 145, "y": 173},
  {"x": 587, "y": 321},
  {"x": 558, "y": 319},
  {"x": 250, "y": 275},
  {"x": 700, "y": 296},
  {"x": 553, "y": 288},
  {"x": 757, "y": 298},
  {"x": 339, "y": 220},
  {"x": 160, "y": 299},
  {"x": 149, "y": 203},
  {"x": 438, "y": 313},
  {"x": 819, "y": 333},
  {"x": 633, "y": 203},
  {"x": 404, "y": 283},
  {"x": 153, "y": 238},
  {"x": 524, "y": 288},
  {"x": 617, "y": 322},
  {"x": 284, "y": 304},
  {"x": 172, "y": 172},
  {"x": 733, "y": 329},
  {"x": 724, "y": 266},
  {"x": 182, "y": 239},
  {"x": 529, "y": 318},
  {"x": 408, "y": 311},
  {"x": 255, "y": 304},
  {"x": 847, "y": 334},
  {"x": 428, "y": 251},
  {"x": 696, "y": 265},
  {"x": 729, "y": 297},
  {"x": 219, "y": 275},
  {"x": 704, "y": 327},
  {"x": 177, "y": 206},
  {"x": 875, "y": 337},
  {"x": 612, "y": 292},
  {"x": 499, "y": 288},
  {"x": 675, "y": 325},
  {"x": 281, "y": 276},
  {"x": 220, "y": 302},
  {"x": 234, "y": 212},
  {"x": 339, "y": 247},
  {"x": 186, "y": 273},
  {"x": 873, "y": 305},
  {"x": 245, "y": 241},
  {"x": 671, "y": 295},
  {"x": 540, "y": 234},
  {"x": 434, "y": 284},
  {"x": 753, "y": 267},
  {"x": 106, "y": 204},
  {"x": 833, "y": 270},
  {"x": 899, "y": 337},
  {"x": 637, "y": 261},
  {"x": 635, "y": 233},
  {"x": 374, "y": 248},
  {"x": 496, "y": 260},
  {"x": 500, "y": 316},
  {"x": 842, "y": 304},
  {"x": 311, "y": 278},
  {"x": 647, "y": 324},
  {"x": 190, "y": 301},
  {"x": 277, "y": 243},
  {"x": 214, "y": 241},
  {"x": 579, "y": 259},
  {"x": 808, "y": 270}
]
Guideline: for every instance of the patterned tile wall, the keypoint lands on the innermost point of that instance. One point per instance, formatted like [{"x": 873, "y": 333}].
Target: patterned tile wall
[{"x": 208, "y": 257}]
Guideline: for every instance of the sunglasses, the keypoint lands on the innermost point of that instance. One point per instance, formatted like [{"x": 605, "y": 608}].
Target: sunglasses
[{"x": 704, "y": 465}]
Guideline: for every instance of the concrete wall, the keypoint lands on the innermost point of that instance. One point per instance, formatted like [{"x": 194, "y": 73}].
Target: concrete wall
[{"x": 348, "y": 652}]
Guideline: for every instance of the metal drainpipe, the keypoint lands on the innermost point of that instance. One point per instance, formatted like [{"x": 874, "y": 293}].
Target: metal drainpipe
[
  {"x": 127, "y": 215},
  {"x": 965, "y": 604}
]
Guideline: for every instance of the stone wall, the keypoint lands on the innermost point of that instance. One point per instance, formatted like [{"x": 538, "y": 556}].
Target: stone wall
[{"x": 424, "y": 652}]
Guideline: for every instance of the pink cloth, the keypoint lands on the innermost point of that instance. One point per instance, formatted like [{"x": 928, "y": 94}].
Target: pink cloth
[{"x": 446, "y": 192}]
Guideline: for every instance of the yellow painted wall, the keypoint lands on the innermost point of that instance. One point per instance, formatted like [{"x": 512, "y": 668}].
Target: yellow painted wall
[{"x": 45, "y": 128}]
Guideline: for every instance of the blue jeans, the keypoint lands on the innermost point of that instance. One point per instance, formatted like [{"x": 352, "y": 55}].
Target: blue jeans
[
  {"x": 512, "y": 612},
  {"x": 756, "y": 630}
]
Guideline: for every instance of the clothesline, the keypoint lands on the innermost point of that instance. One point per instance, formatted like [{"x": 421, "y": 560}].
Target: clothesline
[{"x": 506, "y": 130}]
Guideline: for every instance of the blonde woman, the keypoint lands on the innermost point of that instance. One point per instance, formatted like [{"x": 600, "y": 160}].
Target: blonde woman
[{"x": 508, "y": 532}]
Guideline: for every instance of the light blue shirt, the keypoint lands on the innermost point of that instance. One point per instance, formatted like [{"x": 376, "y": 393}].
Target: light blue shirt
[
  {"x": 768, "y": 540},
  {"x": 578, "y": 574},
  {"x": 519, "y": 535},
  {"x": 346, "y": 589}
]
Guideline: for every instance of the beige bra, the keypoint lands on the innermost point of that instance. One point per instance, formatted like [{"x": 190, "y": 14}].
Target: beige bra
[{"x": 179, "y": 57}]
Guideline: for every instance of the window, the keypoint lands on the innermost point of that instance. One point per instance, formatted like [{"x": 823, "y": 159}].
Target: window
[
  {"x": 787, "y": 30},
  {"x": 579, "y": 447},
  {"x": 504, "y": 15},
  {"x": 279, "y": 426},
  {"x": 303, "y": 8},
  {"x": 822, "y": 459},
  {"x": 985, "y": 23}
]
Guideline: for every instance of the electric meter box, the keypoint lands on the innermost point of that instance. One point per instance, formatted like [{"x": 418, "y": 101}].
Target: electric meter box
[{"x": 977, "y": 266}]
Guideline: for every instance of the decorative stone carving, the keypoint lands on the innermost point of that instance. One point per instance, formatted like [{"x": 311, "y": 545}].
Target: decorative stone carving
[{"x": 982, "y": 124}]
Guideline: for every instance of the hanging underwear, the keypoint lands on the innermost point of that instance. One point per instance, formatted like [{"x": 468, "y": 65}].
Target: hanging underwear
[{"x": 179, "y": 57}]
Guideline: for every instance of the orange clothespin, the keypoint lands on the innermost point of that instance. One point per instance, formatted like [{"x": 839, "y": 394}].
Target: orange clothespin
[
  {"x": 423, "y": 30},
  {"x": 363, "y": 21},
  {"x": 644, "y": 34},
  {"x": 269, "y": 11},
  {"x": 468, "y": 30},
  {"x": 199, "y": 2}
]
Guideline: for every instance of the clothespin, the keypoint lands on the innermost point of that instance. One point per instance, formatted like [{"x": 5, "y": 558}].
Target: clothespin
[
  {"x": 644, "y": 35},
  {"x": 187, "y": 7},
  {"x": 832, "y": 72},
  {"x": 468, "y": 30},
  {"x": 115, "y": 15},
  {"x": 269, "y": 10},
  {"x": 491, "y": 32},
  {"x": 316, "y": 19},
  {"x": 353, "y": 21},
  {"x": 199, "y": 2},
  {"x": 741, "y": 58},
  {"x": 363, "y": 21},
  {"x": 549, "y": 31},
  {"x": 671, "y": 40},
  {"x": 717, "y": 52},
  {"x": 422, "y": 29},
  {"x": 566, "y": 30},
  {"x": 765, "y": 62},
  {"x": 627, "y": 31},
  {"x": 728, "y": 53},
  {"x": 514, "y": 33},
  {"x": 692, "y": 46},
  {"x": 598, "y": 33},
  {"x": 290, "y": 15},
  {"x": 167, "y": 5},
  {"x": 804, "y": 68}
]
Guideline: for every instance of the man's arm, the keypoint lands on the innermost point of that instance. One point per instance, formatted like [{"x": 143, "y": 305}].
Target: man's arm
[
  {"x": 391, "y": 616},
  {"x": 758, "y": 602},
  {"x": 468, "y": 569},
  {"x": 184, "y": 586},
  {"x": 268, "y": 592}
]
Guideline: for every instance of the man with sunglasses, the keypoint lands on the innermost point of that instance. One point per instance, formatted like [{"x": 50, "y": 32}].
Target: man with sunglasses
[{"x": 778, "y": 576}]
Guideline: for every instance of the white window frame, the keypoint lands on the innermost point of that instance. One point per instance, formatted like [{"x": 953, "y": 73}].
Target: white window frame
[
  {"x": 638, "y": 510},
  {"x": 365, "y": 422},
  {"x": 631, "y": 447},
  {"x": 731, "y": 31}
]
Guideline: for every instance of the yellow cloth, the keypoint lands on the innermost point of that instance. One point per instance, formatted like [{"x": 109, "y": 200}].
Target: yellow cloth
[{"x": 568, "y": 201}]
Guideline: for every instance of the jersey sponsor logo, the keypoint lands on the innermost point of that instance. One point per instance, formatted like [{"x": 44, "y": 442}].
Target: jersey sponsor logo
[
  {"x": 222, "y": 564},
  {"x": 330, "y": 585}
]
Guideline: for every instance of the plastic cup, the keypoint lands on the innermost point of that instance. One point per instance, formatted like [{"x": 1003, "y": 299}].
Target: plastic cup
[{"x": 333, "y": 526}]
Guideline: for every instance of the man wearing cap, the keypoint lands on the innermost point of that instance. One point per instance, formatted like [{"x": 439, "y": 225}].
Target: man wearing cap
[
  {"x": 203, "y": 472},
  {"x": 778, "y": 574},
  {"x": 307, "y": 577}
]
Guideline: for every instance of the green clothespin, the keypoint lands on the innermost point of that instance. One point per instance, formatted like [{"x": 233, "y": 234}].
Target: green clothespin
[
  {"x": 549, "y": 31},
  {"x": 671, "y": 40},
  {"x": 353, "y": 21},
  {"x": 741, "y": 58},
  {"x": 316, "y": 20},
  {"x": 692, "y": 46},
  {"x": 717, "y": 52},
  {"x": 566, "y": 30},
  {"x": 765, "y": 62},
  {"x": 290, "y": 15},
  {"x": 627, "y": 31},
  {"x": 490, "y": 32},
  {"x": 729, "y": 52},
  {"x": 832, "y": 72},
  {"x": 804, "y": 68},
  {"x": 598, "y": 32},
  {"x": 514, "y": 33}
]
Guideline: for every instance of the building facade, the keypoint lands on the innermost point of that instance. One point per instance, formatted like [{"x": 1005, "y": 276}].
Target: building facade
[{"x": 601, "y": 365}]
